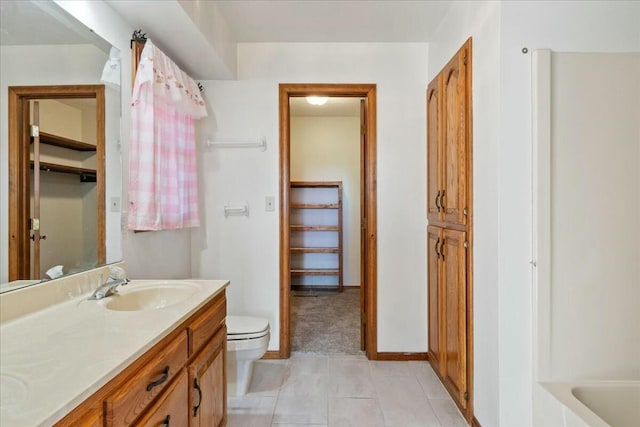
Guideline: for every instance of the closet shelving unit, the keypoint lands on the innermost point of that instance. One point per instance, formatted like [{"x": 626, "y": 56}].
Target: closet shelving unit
[
  {"x": 312, "y": 226},
  {"x": 86, "y": 175}
]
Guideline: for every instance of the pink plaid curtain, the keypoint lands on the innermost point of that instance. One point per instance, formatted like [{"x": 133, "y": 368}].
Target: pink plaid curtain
[{"x": 163, "y": 187}]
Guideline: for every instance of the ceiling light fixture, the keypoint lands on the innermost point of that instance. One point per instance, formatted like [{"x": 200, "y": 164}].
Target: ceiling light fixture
[{"x": 317, "y": 100}]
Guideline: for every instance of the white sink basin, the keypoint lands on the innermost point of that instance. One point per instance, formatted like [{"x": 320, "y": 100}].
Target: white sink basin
[{"x": 151, "y": 296}]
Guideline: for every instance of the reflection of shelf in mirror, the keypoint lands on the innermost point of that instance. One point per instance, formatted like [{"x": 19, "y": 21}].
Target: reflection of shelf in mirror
[
  {"x": 314, "y": 228},
  {"x": 315, "y": 272},
  {"x": 61, "y": 141},
  {"x": 315, "y": 250},
  {"x": 86, "y": 175},
  {"x": 315, "y": 206}
]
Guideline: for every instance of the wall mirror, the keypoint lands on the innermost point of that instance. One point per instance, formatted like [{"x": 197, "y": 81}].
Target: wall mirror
[{"x": 60, "y": 129}]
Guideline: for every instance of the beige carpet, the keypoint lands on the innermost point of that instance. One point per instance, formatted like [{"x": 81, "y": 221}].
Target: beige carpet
[{"x": 325, "y": 322}]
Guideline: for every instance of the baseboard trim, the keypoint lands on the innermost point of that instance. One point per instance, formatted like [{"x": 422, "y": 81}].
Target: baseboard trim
[
  {"x": 273, "y": 354},
  {"x": 401, "y": 356},
  {"x": 475, "y": 422}
]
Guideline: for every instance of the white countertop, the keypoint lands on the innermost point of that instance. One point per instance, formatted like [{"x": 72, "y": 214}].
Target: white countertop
[{"x": 55, "y": 358}]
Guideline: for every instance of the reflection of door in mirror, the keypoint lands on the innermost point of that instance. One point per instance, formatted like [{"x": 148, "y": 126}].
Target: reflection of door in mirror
[{"x": 56, "y": 152}]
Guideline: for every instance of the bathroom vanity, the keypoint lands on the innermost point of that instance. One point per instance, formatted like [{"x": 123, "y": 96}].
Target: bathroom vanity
[{"x": 153, "y": 354}]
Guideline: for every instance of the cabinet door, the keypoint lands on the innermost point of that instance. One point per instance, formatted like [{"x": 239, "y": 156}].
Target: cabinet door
[
  {"x": 434, "y": 239},
  {"x": 434, "y": 149},
  {"x": 454, "y": 120},
  {"x": 208, "y": 384},
  {"x": 454, "y": 360}
]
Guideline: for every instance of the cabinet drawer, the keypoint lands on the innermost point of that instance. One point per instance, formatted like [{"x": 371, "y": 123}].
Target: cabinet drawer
[
  {"x": 172, "y": 408},
  {"x": 203, "y": 328},
  {"x": 132, "y": 398}
]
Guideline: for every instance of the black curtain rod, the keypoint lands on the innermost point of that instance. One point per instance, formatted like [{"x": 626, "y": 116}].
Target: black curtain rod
[{"x": 138, "y": 37}]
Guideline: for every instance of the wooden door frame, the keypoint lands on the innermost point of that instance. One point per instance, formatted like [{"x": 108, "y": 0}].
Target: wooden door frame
[
  {"x": 19, "y": 182},
  {"x": 368, "y": 92}
]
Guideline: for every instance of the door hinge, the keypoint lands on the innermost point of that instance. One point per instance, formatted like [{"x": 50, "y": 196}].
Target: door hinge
[
  {"x": 465, "y": 59},
  {"x": 466, "y": 395},
  {"x": 363, "y": 130},
  {"x": 34, "y": 130},
  {"x": 466, "y": 244},
  {"x": 363, "y": 317},
  {"x": 363, "y": 223},
  {"x": 465, "y": 211}
]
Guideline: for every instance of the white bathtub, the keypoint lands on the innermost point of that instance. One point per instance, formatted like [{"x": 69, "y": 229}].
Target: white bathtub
[{"x": 600, "y": 403}]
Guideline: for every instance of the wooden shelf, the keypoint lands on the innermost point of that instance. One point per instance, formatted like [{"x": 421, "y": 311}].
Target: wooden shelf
[
  {"x": 61, "y": 141},
  {"x": 315, "y": 272},
  {"x": 53, "y": 167},
  {"x": 316, "y": 184},
  {"x": 311, "y": 202},
  {"x": 315, "y": 250},
  {"x": 315, "y": 228},
  {"x": 315, "y": 206}
]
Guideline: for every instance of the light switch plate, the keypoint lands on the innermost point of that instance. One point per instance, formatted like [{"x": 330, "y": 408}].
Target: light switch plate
[
  {"x": 269, "y": 204},
  {"x": 115, "y": 204}
]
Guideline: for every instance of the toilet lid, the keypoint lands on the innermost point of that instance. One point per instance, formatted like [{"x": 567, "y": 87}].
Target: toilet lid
[{"x": 242, "y": 326}]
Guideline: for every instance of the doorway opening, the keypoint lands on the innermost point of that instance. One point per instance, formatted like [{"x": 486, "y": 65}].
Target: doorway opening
[
  {"x": 55, "y": 175},
  {"x": 365, "y": 94}
]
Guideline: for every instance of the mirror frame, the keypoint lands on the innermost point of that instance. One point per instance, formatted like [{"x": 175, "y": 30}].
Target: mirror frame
[{"x": 19, "y": 166}]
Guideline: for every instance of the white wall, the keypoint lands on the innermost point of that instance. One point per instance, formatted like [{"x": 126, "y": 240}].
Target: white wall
[
  {"x": 25, "y": 65},
  {"x": 328, "y": 149},
  {"x": 245, "y": 250},
  {"x": 480, "y": 20}
]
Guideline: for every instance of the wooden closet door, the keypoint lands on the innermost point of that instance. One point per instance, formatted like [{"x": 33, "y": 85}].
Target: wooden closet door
[
  {"x": 434, "y": 238},
  {"x": 454, "y": 363},
  {"x": 454, "y": 111},
  {"x": 434, "y": 149}
]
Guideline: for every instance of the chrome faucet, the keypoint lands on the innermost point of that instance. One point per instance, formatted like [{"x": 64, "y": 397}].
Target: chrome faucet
[{"x": 110, "y": 287}]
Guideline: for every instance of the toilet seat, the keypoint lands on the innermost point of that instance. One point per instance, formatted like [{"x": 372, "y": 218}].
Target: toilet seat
[{"x": 246, "y": 328}]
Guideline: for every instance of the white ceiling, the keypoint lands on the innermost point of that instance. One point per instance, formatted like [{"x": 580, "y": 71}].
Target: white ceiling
[
  {"x": 340, "y": 107},
  {"x": 333, "y": 21},
  {"x": 42, "y": 23}
]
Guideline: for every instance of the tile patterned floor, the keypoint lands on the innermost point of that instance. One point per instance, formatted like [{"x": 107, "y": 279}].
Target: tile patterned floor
[{"x": 340, "y": 391}]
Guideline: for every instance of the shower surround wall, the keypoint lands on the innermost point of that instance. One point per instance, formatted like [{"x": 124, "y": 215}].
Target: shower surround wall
[{"x": 594, "y": 270}]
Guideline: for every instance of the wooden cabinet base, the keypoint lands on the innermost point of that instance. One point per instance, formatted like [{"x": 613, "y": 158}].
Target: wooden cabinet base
[{"x": 155, "y": 389}]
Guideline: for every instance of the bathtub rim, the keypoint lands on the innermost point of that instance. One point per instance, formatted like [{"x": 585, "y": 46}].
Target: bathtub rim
[{"x": 563, "y": 391}]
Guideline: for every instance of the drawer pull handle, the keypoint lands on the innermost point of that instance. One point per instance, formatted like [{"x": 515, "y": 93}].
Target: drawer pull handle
[
  {"x": 442, "y": 249},
  {"x": 163, "y": 378},
  {"x": 197, "y": 387},
  {"x": 436, "y": 247},
  {"x": 437, "y": 204},
  {"x": 167, "y": 421}
]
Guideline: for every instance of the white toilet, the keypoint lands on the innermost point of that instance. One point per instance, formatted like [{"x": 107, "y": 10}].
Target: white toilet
[{"x": 247, "y": 341}]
